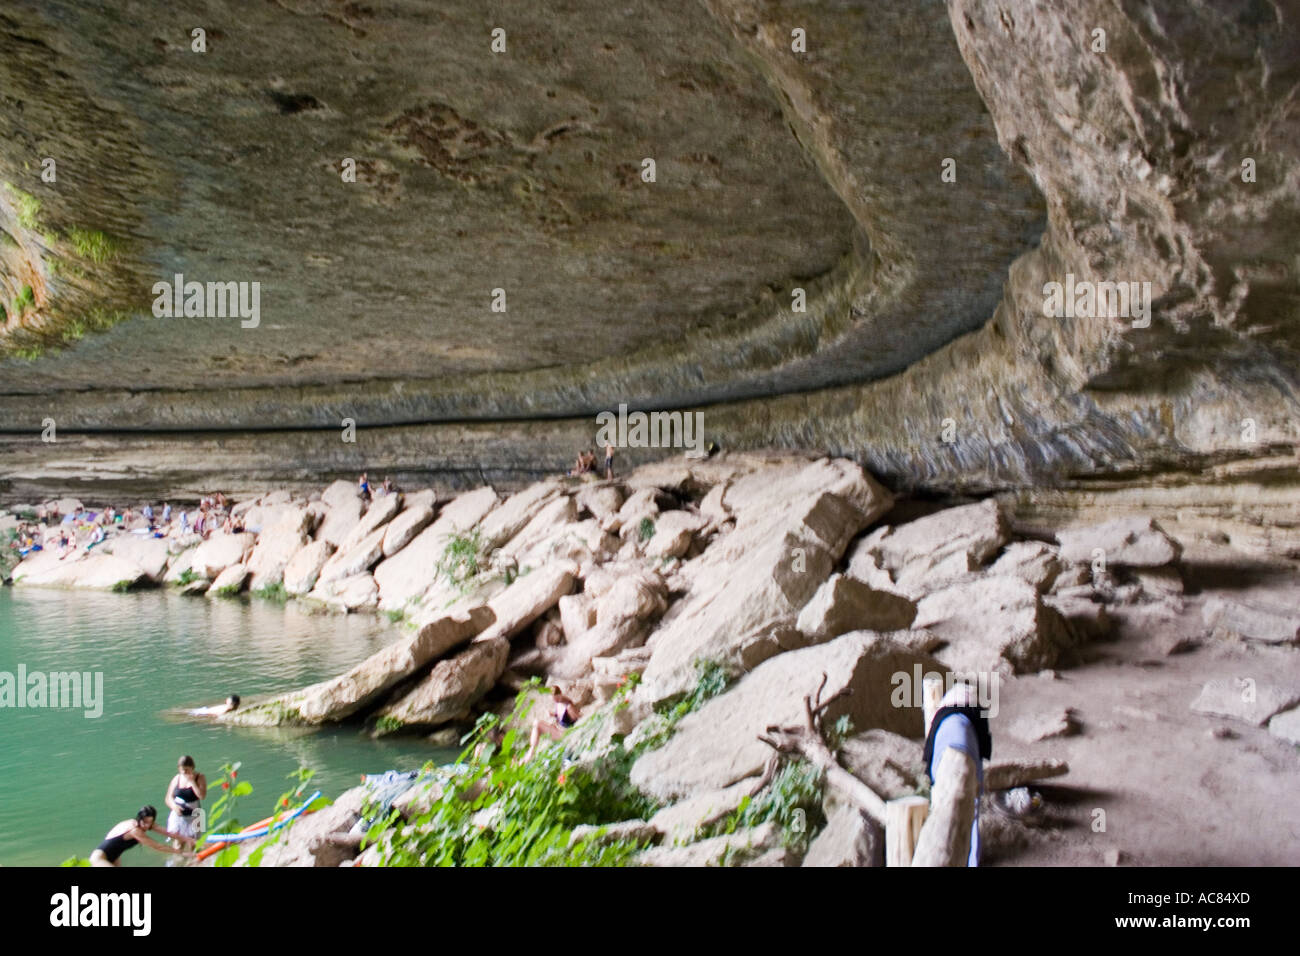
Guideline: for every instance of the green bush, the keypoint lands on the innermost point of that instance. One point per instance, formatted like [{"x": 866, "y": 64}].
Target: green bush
[
  {"x": 534, "y": 806},
  {"x": 646, "y": 529},
  {"x": 462, "y": 559},
  {"x": 188, "y": 576}
]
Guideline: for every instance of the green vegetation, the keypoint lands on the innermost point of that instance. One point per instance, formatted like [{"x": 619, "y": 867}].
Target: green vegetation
[
  {"x": 92, "y": 244},
  {"x": 503, "y": 812},
  {"x": 273, "y": 592},
  {"x": 25, "y": 299},
  {"x": 646, "y": 529},
  {"x": 28, "y": 206},
  {"x": 387, "y": 725},
  {"x": 121, "y": 586},
  {"x": 230, "y": 590},
  {"x": 712, "y": 678},
  {"x": 462, "y": 559},
  {"x": 30, "y": 354},
  {"x": 188, "y": 576},
  {"x": 8, "y": 551},
  {"x": 793, "y": 801},
  {"x": 396, "y": 615}
]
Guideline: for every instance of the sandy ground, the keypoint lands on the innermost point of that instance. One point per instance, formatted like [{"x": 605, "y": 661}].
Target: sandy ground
[{"x": 1177, "y": 788}]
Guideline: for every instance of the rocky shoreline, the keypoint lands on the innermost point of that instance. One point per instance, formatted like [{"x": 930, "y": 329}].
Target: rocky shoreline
[{"x": 776, "y": 570}]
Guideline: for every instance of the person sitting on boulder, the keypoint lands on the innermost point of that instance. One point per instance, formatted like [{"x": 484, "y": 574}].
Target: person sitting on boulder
[
  {"x": 566, "y": 714},
  {"x": 960, "y": 724},
  {"x": 363, "y": 487}
]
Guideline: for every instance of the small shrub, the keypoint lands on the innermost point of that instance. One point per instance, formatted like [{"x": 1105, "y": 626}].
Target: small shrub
[
  {"x": 646, "y": 529},
  {"x": 188, "y": 576},
  {"x": 396, "y": 616},
  {"x": 230, "y": 590},
  {"x": 121, "y": 586},
  {"x": 388, "y": 724},
  {"x": 462, "y": 559}
]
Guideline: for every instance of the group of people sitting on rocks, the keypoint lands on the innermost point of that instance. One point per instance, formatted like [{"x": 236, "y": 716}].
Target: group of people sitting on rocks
[
  {"x": 367, "y": 494},
  {"x": 585, "y": 464},
  {"x": 83, "y": 529}
]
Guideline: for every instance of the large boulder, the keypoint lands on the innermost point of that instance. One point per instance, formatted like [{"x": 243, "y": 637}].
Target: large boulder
[
  {"x": 220, "y": 551},
  {"x": 340, "y": 492},
  {"x": 941, "y": 547},
  {"x": 96, "y": 571},
  {"x": 528, "y": 598},
  {"x": 1127, "y": 542},
  {"x": 843, "y": 604},
  {"x": 1252, "y": 621},
  {"x": 366, "y": 683},
  {"x": 994, "y": 624},
  {"x": 303, "y": 569},
  {"x": 622, "y": 616},
  {"x": 850, "y": 838},
  {"x": 747, "y": 588},
  {"x": 413, "y": 519},
  {"x": 230, "y": 581},
  {"x": 451, "y": 687},
  {"x": 409, "y": 573},
  {"x": 275, "y": 548},
  {"x": 339, "y": 520},
  {"x": 1245, "y": 698},
  {"x": 380, "y": 512},
  {"x": 1031, "y": 561},
  {"x": 510, "y": 517},
  {"x": 149, "y": 554},
  {"x": 347, "y": 594},
  {"x": 549, "y": 522},
  {"x": 760, "y": 846},
  {"x": 600, "y": 501},
  {"x": 674, "y": 531},
  {"x": 680, "y": 822},
  {"x": 718, "y": 744},
  {"x": 355, "y": 559}
]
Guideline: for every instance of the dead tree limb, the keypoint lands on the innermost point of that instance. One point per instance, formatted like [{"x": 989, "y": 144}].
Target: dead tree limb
[{"x": 807, "y": 741}]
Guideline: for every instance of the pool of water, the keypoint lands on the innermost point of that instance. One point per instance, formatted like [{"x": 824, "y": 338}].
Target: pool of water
[{"x": 66, "y": 778}]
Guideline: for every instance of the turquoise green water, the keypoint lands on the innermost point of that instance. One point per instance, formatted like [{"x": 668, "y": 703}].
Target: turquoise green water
[{"x": 66, "y": 779}]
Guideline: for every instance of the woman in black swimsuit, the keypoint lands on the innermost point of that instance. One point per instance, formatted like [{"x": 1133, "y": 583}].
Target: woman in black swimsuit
[
  {"x": 184, "y": 792},
  {"x": 566, "y": 715},
  {"x": 130, "y": 832}
]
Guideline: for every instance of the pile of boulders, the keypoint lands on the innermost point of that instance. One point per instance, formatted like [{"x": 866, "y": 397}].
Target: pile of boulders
[{"x": 777, "y": 570}]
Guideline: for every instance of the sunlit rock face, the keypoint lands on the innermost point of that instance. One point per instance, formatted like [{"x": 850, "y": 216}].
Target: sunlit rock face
[{"x": 922, "y": 172}]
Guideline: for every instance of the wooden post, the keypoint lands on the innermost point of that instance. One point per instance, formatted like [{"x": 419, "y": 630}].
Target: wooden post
[
  {"x": 904, "y": 819},
  {"x": 945, "y": 838},
  {"x": 931, "y": 694}
]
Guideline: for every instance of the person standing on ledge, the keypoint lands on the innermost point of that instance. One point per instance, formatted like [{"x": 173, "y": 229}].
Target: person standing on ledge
[{"x": 959, "y": 723}]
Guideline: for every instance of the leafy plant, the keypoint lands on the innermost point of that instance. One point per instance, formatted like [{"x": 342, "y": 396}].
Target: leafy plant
[
  {"x": 387, "y": 724},
  {"x": 188, "y": 576},
  {"x": 121, "y": 586},
  {"x": 462, "y": 559},
  {"x": 501, "y": 811},
  {"x": 646, "y": 529},
  {"x": 793, "y": 801},
  {"x": 712, "y": 678},
  {"x": 396, "y": 615},
  {"x": 221, "y": 818}
]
